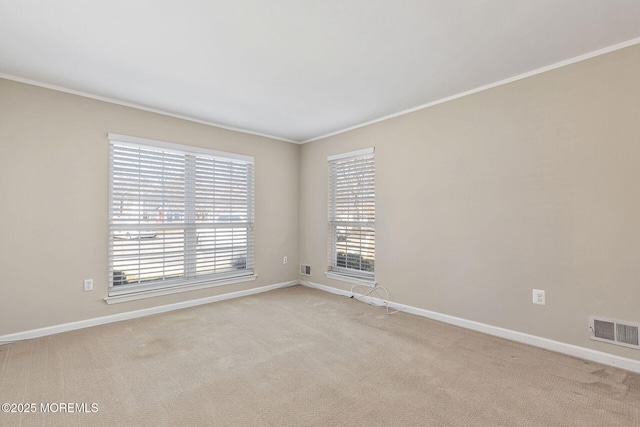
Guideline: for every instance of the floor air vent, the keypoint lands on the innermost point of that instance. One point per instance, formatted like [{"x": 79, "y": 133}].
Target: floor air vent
[
  {"x": 305, "y": 270},
  {"x": 614, "y": 331}
]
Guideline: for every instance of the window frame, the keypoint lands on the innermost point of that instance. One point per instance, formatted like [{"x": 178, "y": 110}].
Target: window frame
[
  {"x": 366, "y": 159},
  {"x": 188, "y": 224}
]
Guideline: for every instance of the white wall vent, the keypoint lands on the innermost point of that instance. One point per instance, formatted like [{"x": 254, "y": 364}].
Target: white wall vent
[
  {"x": 614, "y": 331},
  {"x": 305, "y": 270}
]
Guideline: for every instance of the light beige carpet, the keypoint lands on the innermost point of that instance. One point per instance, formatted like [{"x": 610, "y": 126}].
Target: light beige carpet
[{"x": 302, "y": 357}]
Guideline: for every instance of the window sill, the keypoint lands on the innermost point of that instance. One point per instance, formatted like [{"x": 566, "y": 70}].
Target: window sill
[
  {"x": 350, "y": 279},
  {"x": 133, "y": 296}
]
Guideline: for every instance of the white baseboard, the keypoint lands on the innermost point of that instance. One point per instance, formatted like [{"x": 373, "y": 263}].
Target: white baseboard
[
  {"x": 557, "y": 346},
  {"x": 56, "y": 329}
]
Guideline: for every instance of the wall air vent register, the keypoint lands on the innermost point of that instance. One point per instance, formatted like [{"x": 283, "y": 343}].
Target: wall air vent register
[{"x": 614, "y": 331}]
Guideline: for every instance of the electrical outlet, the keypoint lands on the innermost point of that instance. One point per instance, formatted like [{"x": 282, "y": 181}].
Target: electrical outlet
[
  {"x": 539, "y": 297},
  {"x": 88, "y": 284},
  {"x": 284, "y": 260}
]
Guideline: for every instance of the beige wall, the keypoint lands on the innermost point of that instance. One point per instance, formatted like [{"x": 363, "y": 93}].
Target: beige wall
[
  {"x": 533, "y": 184},
  {"x": 54, "y": 195}
]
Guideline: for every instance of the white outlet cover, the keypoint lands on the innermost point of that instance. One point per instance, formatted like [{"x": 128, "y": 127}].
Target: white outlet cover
[
  {"x": 88, "y": 284},
  {"x": 539, "y": 297}
]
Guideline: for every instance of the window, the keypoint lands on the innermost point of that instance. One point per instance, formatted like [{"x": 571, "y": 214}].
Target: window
[
  {"x": 178, "y": 215},
  {"x": 352, "y": 216}
]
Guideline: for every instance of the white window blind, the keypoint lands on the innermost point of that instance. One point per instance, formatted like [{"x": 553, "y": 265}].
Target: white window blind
[
  {"x": 177, "y": 215},
  {"x": 352, "y": 214}
]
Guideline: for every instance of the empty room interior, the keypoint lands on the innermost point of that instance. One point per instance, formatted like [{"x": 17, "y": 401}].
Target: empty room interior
[{"x": 330, "y": 213}]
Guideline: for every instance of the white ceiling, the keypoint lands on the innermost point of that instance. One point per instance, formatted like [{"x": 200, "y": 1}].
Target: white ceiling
[{"x": 297, "y": 69}]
